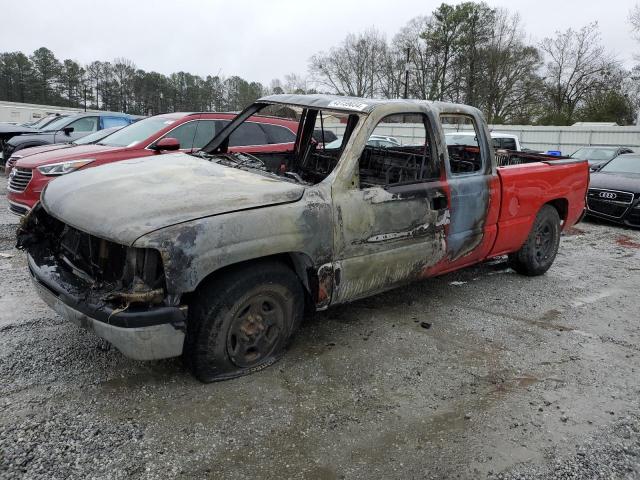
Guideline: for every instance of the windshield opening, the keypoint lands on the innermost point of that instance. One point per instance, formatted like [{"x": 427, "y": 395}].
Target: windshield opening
[
  {"x": 623, "y": 164},
  {"x": 135, "y": 133},
  {"x": 302, "y": 157}
]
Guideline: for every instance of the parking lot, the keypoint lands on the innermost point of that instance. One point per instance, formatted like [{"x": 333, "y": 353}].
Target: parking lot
[{"x": 481, "y": 373}]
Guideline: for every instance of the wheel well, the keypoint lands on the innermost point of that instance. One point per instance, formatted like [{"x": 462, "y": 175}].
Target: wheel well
[
  {"x": 299, "y": 263},
  {"x": 562, "y": 206}
]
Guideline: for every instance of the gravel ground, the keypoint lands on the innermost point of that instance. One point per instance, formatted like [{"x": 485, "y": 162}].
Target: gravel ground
[{"x": 478, "y": 374}]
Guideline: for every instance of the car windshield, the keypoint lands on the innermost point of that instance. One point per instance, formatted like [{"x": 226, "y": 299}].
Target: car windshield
[
  {"x": 44, "y": 121},
  {"x": 453, "y": 139},
  {"x": 623, "y": 164},
  {"x": 595, "y": 153},
  {"x": 337, "y": 143},
  {"x": 137, "y": 132},
  {"x": 57, "y": 124},
  {"x": 96, "y": 136}
]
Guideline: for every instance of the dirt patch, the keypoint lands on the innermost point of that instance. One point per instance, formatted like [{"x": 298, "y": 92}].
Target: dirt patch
[
  {"x": 7, "y": 237},
  {"x": 571, "y": 231},
  {"x": 626, "y": 241}
]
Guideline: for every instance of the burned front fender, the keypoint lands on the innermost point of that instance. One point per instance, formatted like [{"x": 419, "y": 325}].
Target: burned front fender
[{"x": 194, "y": 250}]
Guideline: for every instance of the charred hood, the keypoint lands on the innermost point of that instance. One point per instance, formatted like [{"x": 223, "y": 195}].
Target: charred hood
[{"x": 126, "y": 200}]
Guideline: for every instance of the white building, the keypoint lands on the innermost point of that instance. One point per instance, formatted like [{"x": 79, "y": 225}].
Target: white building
[{"x": 15, "y": 112}]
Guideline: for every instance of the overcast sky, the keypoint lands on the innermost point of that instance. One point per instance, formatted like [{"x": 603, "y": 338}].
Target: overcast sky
[{"x": 258, "y": 40}]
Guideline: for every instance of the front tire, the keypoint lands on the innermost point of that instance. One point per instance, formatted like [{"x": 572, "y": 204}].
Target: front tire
[
  {"x": 242, "y": 321},
  {"x": 541, "y": 247}
]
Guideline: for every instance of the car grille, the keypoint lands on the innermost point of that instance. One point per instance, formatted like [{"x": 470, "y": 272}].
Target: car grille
[
  {"x": 606, "y": 208},
  {"x": 611, "y": 195},
  {"x": 609, "y": 202},
  {"x": 634, "y": 216},
  {"x": 18, "y": 209},
  {"x": 19, "y": 179},
  {"x": 12, "y": 161}
]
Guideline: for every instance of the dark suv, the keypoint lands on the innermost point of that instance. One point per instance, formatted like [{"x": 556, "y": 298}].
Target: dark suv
[{"x": 67, "y": 129}]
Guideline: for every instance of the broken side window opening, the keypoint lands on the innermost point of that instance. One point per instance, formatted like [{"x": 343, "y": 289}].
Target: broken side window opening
[
  {"x": 399, "y": 151},
  {"x": 465, "y": 156},
  {"x": 309, "y": 160}
]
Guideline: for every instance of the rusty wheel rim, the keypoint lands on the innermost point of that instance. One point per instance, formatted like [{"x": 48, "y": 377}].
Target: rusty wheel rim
[
  {"x": 543, "y": 241},
  {"x": 255, "y": 330}
]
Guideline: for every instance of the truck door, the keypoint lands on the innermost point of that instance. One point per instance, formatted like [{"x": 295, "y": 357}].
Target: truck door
[
  {"x": 389, "y": 222},
  {"x": 474, "y": 190}
]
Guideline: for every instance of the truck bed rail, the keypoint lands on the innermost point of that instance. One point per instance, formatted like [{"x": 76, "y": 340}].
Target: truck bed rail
[{"x": 505, "y": 158}]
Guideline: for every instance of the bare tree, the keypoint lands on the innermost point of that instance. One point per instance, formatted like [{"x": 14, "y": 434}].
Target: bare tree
[
  {"x": 634, "y": 20},
  {"x": 577, "y": 64},
  {"x": 350, "y": 68},
  {"x": 422, "y": 74},
  {"x": 276, "y": 86},
  {"x": 294, "y": 83},
  {"x": 510, "y": 81}
]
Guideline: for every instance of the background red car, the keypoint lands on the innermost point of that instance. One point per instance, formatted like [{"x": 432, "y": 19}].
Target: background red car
[
  {"x": 26, "y": 152},
  {"x": 152, "y": 136}
]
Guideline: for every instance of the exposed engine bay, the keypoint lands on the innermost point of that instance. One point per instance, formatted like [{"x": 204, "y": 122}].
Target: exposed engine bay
[{"x": 105, "y": 273}]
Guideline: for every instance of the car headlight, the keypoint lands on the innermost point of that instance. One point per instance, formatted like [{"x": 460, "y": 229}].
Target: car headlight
[{"x": 64, "y": 167}]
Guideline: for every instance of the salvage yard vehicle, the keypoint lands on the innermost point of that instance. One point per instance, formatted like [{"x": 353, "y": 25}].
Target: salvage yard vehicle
[
  {"x": 614, "y": 191},
  {"x": 217, "y": 255},
  {"x": 8, "y": 131},
  {"x": 67, "y": 129},
  {"x": 598, "y": 156},
  {"x": 86, "y": 140},
  {"x": 146, "y": 138}
]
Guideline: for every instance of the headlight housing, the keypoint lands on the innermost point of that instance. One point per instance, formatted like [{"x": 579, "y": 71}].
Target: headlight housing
[{"x": 63, "y": 168}]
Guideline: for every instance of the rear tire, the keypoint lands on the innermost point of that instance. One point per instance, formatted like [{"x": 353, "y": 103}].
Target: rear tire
[
  {"x": 242, "y": 321},
  {"x": 541, "y": 247}
]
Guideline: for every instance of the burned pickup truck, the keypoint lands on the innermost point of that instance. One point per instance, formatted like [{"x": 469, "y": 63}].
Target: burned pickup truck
[{"x": 218, "y": 255}]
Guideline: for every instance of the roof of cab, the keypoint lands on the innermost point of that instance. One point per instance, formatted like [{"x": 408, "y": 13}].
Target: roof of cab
[{"x": 354, "y": 104}]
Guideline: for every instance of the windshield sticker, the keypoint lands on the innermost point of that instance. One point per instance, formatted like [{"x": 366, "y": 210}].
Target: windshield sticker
[{"x": 349, "y": 104}]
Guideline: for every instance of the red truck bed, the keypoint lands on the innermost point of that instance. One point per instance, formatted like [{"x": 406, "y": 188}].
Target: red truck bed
[{"x": 526, "y": 187}]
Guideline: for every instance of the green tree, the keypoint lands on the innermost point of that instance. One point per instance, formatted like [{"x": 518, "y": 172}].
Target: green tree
[
  {"x": 71, "y": 82},
  {"x": 16, "y": 77},
  {"x": 46, "y": 69},
  {"x": 608, "y": 106}
]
